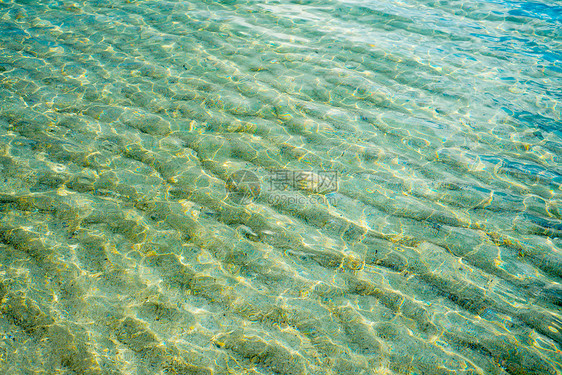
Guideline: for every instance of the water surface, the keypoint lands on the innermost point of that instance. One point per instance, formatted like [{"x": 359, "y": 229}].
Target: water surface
[{"x": 405, "y": 216}]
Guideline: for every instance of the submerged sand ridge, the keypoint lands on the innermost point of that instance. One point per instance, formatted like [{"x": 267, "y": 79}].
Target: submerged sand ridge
[{"x": 405, "y": 220}]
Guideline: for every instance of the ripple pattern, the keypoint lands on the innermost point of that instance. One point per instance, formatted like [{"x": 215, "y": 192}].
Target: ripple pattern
[{"x": 439, "y": 251}]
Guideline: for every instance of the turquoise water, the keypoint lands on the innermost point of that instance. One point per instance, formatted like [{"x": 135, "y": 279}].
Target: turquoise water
[{"x": 280, "y": 187}]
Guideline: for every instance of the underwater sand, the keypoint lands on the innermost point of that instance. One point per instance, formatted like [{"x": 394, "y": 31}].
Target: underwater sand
[{"x": 394, "y": 203}]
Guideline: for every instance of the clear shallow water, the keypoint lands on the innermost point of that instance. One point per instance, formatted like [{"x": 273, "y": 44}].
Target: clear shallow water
[{"x": 122, "y": 252}]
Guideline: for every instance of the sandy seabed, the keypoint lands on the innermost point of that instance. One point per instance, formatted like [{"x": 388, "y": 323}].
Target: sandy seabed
[{"x": 126, "y": 249}]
